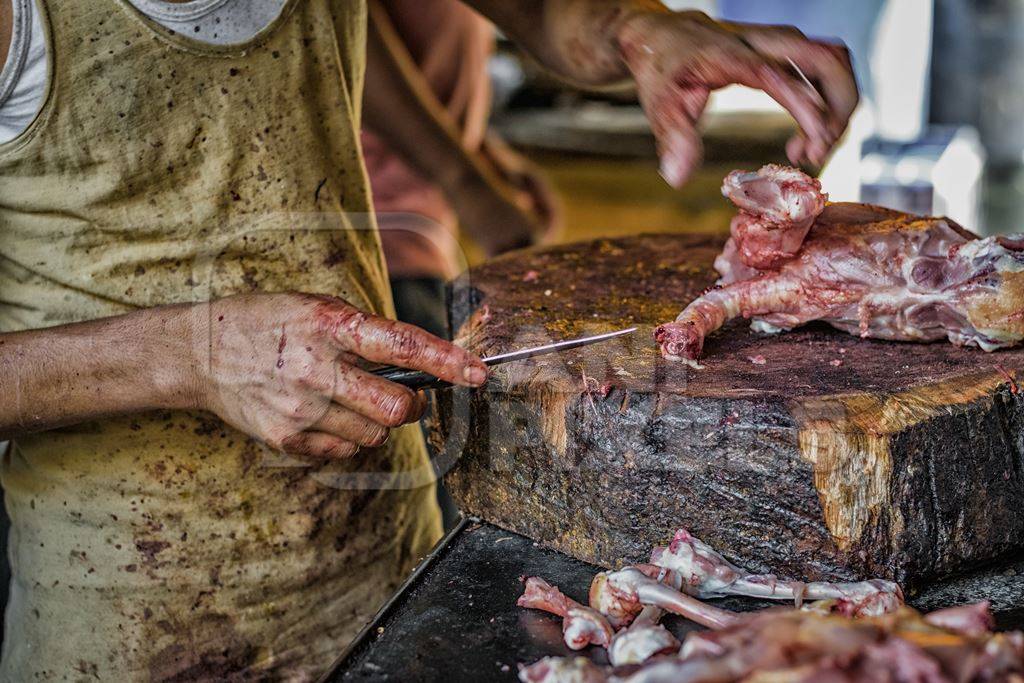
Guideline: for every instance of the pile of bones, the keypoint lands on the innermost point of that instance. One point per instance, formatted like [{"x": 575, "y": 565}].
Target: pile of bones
[{"x": 834, "y": 632}]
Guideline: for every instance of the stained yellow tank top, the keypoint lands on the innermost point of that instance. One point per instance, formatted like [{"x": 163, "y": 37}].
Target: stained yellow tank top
[{"x": 161, "y": 170}]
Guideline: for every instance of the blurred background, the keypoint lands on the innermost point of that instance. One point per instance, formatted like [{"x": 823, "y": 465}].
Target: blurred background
[{"x": 939, "y": 129}]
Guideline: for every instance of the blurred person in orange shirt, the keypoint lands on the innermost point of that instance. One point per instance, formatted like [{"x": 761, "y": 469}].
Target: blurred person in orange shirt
[{"x": 439, "y": 50}]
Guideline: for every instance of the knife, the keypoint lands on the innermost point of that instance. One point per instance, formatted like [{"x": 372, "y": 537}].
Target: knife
[{"x": 417, "y": 379}]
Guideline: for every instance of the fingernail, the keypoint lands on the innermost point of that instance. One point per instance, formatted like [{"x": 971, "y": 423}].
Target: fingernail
[
  {"x": 672, "y": 165},
  {"x": 474, "y": 374},
  {"x": 670, "y": 171},
  {"x": 421, "y": 403}
]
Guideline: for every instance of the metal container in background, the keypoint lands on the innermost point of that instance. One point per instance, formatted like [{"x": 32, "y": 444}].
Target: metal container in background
[
  {"x": 978, "y": 73},
  {"x": 978, "y": 79},
  {"x": 940, "y": 173}
]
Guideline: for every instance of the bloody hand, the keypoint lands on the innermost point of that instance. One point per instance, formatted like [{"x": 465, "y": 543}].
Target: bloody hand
[
  {"x": 677, "y": 59},
  {"x": 284, "y": 369}
]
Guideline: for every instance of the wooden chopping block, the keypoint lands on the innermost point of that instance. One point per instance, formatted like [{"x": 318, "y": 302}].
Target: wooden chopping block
[{"x": 812, "y": 454}]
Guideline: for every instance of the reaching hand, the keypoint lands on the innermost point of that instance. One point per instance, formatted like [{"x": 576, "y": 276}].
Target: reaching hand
[
  {"x": 283, "y": 368},
  {"x": 677, "y": 59}
]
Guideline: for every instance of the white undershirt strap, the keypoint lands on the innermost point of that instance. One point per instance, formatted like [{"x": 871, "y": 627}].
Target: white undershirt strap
[
  {"x": 23, "y": 76},
  {"x": 177, "y": 11}
]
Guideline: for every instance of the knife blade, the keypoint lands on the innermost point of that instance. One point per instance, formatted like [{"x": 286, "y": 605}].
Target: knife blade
[{"x": 417, "y": 379}]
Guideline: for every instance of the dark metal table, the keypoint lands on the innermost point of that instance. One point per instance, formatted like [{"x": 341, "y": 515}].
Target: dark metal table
[{"x": 455, "y": 619}]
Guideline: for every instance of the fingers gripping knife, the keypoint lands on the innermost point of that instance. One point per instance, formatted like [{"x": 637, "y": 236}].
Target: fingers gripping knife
[{"x": 416, "y": 379}]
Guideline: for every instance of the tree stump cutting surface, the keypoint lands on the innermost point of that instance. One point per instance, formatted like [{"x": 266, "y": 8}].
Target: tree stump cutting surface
[{"x": 811, "y": 454}]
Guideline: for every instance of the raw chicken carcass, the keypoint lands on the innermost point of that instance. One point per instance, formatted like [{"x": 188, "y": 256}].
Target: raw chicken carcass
[
  {"x": 706, "y": 574},
  {"x": 786, "y": 646},
  {"x": 863, "y": 269},
  {"x": 581, "y": 626}
]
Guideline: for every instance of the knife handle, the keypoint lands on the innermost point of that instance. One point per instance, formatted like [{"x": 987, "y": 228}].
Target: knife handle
[{"x": 414, "y": 379}]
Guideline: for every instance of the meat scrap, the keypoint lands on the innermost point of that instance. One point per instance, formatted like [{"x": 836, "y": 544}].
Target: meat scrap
[
  {"x": 563, "y": 670},
  {"x": 1010, "y": 381},
  {"x": 863, "y": 269},
  {"x": 777, "y": 207},
  {"x": 581, "y": 626},
  {"x": 970, "y": 620},
  {"x": 643, "y": 639}
]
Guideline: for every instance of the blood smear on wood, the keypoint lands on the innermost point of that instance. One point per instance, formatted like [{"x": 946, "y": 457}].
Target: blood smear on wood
[{"x": 1014, "y": 389}]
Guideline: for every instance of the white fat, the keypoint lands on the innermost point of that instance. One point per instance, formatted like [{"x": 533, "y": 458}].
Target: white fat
[
  {"x": 1010, "y": 263},
  {"x": 1004, "y": 259},
  {"x": 990, "y": 346},
  {"x": 764, "y": 327},
  {"x": 978, "y": 248},
  {"x": 693, "y": 363},
  {"x": 577, "y": 630},
  {"x": 987, "y": 340},
  {"x": 636, "y": 645}
]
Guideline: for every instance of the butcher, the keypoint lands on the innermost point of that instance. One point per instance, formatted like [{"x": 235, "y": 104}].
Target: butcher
[{"x": 204, "y": 482}]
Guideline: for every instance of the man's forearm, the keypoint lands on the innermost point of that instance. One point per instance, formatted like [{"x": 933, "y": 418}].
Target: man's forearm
[
  {"x": 576, "y": 39},
  {"x": 72, "y": 373}
]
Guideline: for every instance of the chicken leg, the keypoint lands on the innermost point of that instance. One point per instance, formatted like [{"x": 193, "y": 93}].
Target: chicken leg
[
  {"x": 621, "y": 595},
  {"x": 706, "y": 574}
]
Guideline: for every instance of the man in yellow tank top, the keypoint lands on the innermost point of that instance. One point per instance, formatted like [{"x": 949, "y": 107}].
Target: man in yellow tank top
[{"x": 201, "y": 481}]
